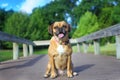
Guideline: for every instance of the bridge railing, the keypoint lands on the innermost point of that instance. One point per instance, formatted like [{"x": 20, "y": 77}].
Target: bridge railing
[
  {"x": 16, "y": 41},
  {"x": 110, "y": 31}
]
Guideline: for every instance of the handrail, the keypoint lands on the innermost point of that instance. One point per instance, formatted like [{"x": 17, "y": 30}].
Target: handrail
[
  {"x": 41, "y": 43},
  {"x": 16, "y": 40},
  {"x": 11, "y": 38},
  {"x": 111, "y": 31},
  {"x": 47, "y": 42}
]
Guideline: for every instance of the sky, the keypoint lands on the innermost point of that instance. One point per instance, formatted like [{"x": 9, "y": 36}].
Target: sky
[{"x": 22, "y": 5}]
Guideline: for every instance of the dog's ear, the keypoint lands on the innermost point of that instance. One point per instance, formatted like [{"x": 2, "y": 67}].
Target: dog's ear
[
  {"x": 50, "y": 28},
  {"x": 69, "y": 28}
]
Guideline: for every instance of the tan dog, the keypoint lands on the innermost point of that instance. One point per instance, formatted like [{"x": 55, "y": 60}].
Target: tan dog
[{"x": 59, "y": 51}]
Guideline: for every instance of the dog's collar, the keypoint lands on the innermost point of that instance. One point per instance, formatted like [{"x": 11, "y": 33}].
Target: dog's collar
[{"x": 59, "y": 42}]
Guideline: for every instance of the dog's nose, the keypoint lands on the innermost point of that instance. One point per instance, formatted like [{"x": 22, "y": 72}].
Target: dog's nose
[{"x": 61, "y": 30}]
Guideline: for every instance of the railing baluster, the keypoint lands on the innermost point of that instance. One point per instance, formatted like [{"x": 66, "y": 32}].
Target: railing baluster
[
  {"x": 25, "y": 50},
  {"x": 118, "y": 46},
  {"x": 15, "y": 51},
  {"x": 85, "y": 47},
  {"x": 78, "y": 47},
  {"x": 30, "y": 50},
  {"x": 96, "y": 47}
]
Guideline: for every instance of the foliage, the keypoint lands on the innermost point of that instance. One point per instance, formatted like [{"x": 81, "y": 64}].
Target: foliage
[
  {"x": 37, "y": 27},
  {"x": 16, "y": 24},
  {"x": 3, "y": 17},
  {"x": 87, "y": 15},
  {"x": 106, "y": 11},
  {"x": 115, "y": 15},
  {"x": 87, "y": 24},
  {"x": 94, "y": 6}
]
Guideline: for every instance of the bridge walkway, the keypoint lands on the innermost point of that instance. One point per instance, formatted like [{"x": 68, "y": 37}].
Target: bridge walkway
[{"x": 88, "y": 66}]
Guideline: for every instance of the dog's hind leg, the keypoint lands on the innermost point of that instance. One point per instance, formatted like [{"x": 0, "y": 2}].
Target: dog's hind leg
[{"x": 47, "y": 74}]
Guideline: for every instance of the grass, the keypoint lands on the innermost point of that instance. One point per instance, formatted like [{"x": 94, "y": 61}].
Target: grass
[
  {"x": 7, "y": 55},
  {"x": 108, "y": 49},
  {"x": 42, "y": 51}
]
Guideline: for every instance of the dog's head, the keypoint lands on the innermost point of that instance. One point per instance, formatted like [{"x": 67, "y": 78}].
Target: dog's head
[{"x": 59, "y": 29}]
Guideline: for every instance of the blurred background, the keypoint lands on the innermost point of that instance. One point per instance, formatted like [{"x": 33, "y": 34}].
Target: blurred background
[{"x": 30, "y": 18}]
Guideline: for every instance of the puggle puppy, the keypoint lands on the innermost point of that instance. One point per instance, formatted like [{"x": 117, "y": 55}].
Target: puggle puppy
[{"x": 59, "y": 51}]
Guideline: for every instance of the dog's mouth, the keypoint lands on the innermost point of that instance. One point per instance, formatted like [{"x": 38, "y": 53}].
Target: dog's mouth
[{"x": 61, "y": 35}]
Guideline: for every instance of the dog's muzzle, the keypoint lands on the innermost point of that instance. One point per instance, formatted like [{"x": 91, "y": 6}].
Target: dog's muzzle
[{"x": 60, "y": 33}]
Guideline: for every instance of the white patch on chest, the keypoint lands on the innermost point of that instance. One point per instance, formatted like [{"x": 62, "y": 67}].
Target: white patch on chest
[{"x": 60, "y": 49}]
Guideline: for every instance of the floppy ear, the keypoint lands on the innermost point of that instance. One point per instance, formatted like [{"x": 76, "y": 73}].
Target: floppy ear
[
  {"x": 50, "y": 29},
  {"x": 69, "y": 28}
]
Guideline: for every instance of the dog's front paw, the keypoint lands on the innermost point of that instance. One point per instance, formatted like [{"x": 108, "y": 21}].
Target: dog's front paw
[
  {"x": 69, "y": 74},
  {"x": 46, "y": 76},
  {"x": 53, "y": 75}
]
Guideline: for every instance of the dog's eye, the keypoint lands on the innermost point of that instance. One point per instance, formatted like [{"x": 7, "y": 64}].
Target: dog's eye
[
  {"x": 56, "y": 27},
  {"x": 65, "y": 26}
]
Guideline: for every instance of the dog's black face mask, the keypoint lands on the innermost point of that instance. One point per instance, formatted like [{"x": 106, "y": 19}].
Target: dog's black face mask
[
  {"x": 60, "y": 32},
  {"x": 59, "y": 29}
]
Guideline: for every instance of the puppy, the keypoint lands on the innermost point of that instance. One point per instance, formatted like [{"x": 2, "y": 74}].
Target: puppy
[{"x": 59, "y": 51}]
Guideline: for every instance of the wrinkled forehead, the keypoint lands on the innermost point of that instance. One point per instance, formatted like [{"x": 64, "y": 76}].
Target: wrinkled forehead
[{"x": 60, "y": 24}]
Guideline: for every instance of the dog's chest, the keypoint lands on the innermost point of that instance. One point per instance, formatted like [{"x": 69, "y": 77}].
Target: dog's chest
[{"x": 60, "y": 49}]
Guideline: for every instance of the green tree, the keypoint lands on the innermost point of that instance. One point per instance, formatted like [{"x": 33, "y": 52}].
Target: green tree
[
  {"x": 16, "y": 24},
  {"x": 2, "y": 18},
  {"x": 104, "y": 17},
  {"x": 94, "y": 6},
  {"x": 37, "y": 28},
  {"x": 59, "y": 10},
  {"x": 41, "y": 17},
  {"x": 87, "y": 24},
  {"x": 115, "y": 15}
]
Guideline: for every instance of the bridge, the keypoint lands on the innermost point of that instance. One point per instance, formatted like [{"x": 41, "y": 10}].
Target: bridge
[{"x": 89, "y": 66}]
